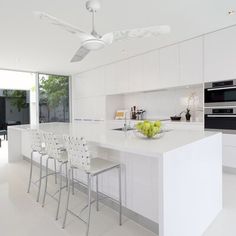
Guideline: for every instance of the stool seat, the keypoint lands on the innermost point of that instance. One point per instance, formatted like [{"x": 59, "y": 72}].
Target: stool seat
[
  {"x": 97, "y": 165},
  {"x": 79, "y": 159}
]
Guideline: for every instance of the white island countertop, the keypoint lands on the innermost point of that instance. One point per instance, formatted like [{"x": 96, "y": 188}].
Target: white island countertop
[
  {"x": 174, "y": 181},
  {"x": 103, "y": 135}
]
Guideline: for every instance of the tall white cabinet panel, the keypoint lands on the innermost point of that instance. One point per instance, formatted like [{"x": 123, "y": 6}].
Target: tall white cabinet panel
[
  {"x": 169, "y": 66},
  {"x": 144, "y": 72},
  {"x": 220, "y": 55},
  {"x": 117, "y": 78},
  {"x": 89, "y": 83},
  {"x": 136, "y": 74},
  {"x": 191, "y": 61}
]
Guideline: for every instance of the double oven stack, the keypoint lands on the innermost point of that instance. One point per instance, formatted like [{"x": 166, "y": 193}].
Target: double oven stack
[{"x": 220, "y": 106}]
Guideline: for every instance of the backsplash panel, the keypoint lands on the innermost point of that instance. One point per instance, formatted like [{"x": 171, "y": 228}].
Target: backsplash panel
[{"x": 166, "y": 103}]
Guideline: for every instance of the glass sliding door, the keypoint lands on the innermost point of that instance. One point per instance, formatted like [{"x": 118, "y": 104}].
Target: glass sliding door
[{"x": 53, "y": 98}]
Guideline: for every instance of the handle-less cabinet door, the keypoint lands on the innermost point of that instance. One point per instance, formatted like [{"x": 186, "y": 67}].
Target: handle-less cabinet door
[
  {"x": 169, "y": 66},
  {"x": 191, "y": 62},
  {"x": 117, "y": 77},
  {"x": 220, "y": 55},
  {"x": 89, "y": 83},
  {"x": 144, "y": 72}
]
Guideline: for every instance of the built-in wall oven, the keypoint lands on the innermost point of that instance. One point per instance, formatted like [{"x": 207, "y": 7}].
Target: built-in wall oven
[
  {"x": 220, "y": 106},
  {"x": 221, "y": 93},
  {"x": 220, "y": 118}
]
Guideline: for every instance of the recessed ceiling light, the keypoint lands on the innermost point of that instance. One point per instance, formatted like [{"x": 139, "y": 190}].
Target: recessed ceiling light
[{"x": 231, "y": 12}]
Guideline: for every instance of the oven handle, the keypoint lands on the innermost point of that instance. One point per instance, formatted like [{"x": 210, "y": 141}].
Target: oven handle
[
  {"x": 224, "y": 88},
  {"x": 223, "y": 116}
]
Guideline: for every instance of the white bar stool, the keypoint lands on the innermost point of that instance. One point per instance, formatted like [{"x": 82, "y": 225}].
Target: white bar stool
[
  {"x": 56, "y": 152},
  {"x": 79, "y": 159},
  {"x": 37, "y": 147}
]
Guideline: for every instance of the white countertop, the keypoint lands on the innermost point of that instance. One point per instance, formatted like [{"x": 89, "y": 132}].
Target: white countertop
[{"x": 101, "y": 134}]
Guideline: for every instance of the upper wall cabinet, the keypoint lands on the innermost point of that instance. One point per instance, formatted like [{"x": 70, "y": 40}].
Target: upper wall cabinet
[
  {"x": 191, "y": 61},
  {"x": 169, "y": 66},
  {"x": 220, "y": 55},
  {"x": 89, "y": 84},
  {"x": 144, "y": 72},
  {"x": 117, "y": 78}
]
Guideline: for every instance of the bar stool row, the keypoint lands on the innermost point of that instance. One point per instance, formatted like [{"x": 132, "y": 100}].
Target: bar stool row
[{"x": 73, "y": 154}]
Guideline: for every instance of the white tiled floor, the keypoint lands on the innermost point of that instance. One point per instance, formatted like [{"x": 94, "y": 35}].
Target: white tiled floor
[{"x": 20, "y": 215}]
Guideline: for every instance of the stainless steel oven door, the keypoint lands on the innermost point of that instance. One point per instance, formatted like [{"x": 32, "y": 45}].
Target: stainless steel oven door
[
  {"x": 220, "y": 94},
  {"x": 220, "y": 119}
]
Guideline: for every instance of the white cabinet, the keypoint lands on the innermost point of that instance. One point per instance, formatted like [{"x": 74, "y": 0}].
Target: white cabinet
[
  {"x": 144, "y": 72},
  {"x": 136, "y": 74},
  {"x": 220, "y": 55},
  {"x": 88, "y": 84},
  {"x": 191, "y": 62},
  {"x": 229, "y": 150},
  {"x": 169, "y": 66},
  {"x": 117, "y": 78},
  {"x": 89, "y": 108}
]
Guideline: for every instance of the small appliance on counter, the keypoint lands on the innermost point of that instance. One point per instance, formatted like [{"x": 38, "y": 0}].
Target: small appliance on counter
[
  {"x": 137, "y": 114},
  {"x": 120, "y": 114}
]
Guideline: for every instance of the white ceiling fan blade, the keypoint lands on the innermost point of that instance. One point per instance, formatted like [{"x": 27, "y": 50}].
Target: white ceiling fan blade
[
  {"x": 80, "y": 54},
  {"x": 108, "y": 38},
  {"x": 64, "y": 25},
  {"x": 136, "y": 33}
]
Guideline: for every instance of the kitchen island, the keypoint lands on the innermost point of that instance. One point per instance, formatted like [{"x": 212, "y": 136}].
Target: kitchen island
[{"x": 175, "y": 181}]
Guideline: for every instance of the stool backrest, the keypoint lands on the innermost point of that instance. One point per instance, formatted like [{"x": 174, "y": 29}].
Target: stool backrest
[
  {"x": 52, "y": 145},
  {"x": 36, "y": 141},
  {"x": 77, "y": 150}
]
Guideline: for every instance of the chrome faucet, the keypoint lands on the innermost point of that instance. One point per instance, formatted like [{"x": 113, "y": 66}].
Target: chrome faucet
[{"x": 126, "y": 126}]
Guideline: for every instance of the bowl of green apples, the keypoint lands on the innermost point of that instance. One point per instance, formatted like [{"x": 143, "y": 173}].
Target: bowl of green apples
[{"x": 148, "y": 129}]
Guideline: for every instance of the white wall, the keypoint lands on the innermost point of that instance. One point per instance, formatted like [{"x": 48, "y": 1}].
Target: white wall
[
  {"x": 21, "y": 81},
  {"x": 160, "y": 104}
]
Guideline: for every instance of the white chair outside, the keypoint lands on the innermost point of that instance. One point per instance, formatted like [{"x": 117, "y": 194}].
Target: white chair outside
[
  {"x": 79, "y": 158},
  {"x": 56, "y": 152},
  {"x": 37, "y": 146}
]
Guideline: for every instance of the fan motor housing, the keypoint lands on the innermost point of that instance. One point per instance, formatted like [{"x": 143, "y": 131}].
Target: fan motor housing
[{"x": 93, "y": 44}]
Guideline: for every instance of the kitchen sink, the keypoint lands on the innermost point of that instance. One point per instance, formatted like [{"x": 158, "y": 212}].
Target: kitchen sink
[
  {"x": 122, "y": 129},
  {"x": 129, "y": 129}
]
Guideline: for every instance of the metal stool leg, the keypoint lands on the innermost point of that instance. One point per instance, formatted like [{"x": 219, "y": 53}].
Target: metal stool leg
[
  {"x": 46, "y": 183},
  {"x": 89, "y": 204},
  {"x": 40, "y": 177},
  {"x": 120, "y": 195},
  {"x": 66, "y": 170},
  {"x": 97, "y": 196},
  {"x": 73, "y": 183},
  {"x": 68, "y": 199},
  {"x": 60, "y": 188},
  {"x": 31, "y": 170},
  {"x": 55, "y": 169}
]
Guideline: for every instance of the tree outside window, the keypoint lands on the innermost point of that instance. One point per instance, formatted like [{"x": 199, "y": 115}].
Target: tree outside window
[{"x": 53, "y": 98}]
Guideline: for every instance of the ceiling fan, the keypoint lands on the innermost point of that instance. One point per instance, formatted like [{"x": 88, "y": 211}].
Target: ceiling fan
[{"x": 95, "y": 41}]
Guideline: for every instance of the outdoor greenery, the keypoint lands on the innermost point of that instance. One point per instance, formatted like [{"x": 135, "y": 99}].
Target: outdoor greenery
[
  {"x": 17, "y": 98},
  {"x": 54, "y": 91}
]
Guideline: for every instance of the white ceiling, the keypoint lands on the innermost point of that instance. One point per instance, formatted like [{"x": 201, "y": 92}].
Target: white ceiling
[{"x": 32, "y": 45}]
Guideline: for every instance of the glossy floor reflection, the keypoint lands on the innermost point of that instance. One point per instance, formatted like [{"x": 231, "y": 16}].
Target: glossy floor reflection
[{"x": 20, "y": 215}]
